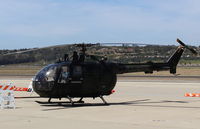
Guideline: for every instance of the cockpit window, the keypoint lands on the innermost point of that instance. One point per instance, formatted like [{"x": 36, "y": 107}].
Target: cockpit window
[
  {"x": 47, "y": 74},
  {"x": 64, "y": 74}
]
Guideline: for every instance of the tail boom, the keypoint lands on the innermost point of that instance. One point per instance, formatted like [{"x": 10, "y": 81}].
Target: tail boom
[{"x": 149, "y": 67}]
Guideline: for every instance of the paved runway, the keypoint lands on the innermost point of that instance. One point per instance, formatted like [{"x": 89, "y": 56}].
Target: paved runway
[{"x": 137, "y": 104}]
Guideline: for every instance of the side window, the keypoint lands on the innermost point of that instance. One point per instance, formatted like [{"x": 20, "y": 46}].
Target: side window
[
  {"x": 77, "y": 71},
  {"x": 64, "y": 74}
]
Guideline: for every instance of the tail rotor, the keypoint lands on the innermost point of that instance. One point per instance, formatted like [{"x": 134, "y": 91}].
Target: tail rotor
[{"x": 187, "y": 47}]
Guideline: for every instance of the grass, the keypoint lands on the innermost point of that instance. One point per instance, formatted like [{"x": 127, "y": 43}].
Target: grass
[
  {"x": 24, "y": 70},
  {"x": 190, "y": 61},
  {"x": 182, "y": 71},
  {"x": 19, "y": 70}
]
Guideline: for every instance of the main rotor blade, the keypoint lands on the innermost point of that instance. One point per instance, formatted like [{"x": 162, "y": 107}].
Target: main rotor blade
[
  {"x": 189, "y": 48},
  {"x": 33, "y": 49},
  {"x": 126, "y": 44}
]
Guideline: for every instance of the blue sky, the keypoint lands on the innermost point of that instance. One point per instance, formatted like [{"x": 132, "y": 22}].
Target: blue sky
[{"x": 38, "y": 23}]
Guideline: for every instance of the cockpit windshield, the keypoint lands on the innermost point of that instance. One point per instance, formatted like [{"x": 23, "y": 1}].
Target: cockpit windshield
[{"x": 47, "y": 74}]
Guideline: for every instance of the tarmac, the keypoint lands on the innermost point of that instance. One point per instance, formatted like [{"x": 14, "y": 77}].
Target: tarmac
[{"x": 138, "y": 103}]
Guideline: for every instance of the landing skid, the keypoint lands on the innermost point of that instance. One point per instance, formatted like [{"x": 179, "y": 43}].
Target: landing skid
[
  {"x": 79, "y": 101},
  {"x": 104, "y": 101},
  {"x": 49, "y": 101},
  {"x": 70, "y": 100}
]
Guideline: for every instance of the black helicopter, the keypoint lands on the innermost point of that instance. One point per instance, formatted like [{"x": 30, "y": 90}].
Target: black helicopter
[{"x": 78, "y": 78}]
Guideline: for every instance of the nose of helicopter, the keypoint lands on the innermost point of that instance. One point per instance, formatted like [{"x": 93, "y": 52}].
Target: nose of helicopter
[{"x": 44, "y": 80}]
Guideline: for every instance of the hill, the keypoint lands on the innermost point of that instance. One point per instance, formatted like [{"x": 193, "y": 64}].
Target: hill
[{"x": 123, "y": 54}]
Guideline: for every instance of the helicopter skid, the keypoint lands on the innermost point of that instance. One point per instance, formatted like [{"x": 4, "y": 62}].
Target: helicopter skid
[
  {"x": 70, "y": 100},
  {"x": 79, "y": 101},
  {"x": 104, "y": 101}
]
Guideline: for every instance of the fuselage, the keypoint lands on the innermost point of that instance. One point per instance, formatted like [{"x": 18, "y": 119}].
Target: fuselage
[{"x": 86, "y": 79}]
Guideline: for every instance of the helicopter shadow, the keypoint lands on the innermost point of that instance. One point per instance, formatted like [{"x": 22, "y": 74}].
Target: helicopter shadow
[{"x": 143, "y": 103}]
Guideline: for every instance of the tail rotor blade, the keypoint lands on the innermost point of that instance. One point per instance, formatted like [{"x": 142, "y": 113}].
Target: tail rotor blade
[
  {"x": 189, "y": 48},
  {"x": 193, "y": 51},
  {"x": 180, "y": 42}
]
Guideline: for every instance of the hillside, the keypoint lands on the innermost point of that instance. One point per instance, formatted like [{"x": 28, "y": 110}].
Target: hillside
[{"x": 123, "y": 54}]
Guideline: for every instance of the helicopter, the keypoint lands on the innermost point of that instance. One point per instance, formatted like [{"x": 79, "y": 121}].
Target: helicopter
[{"x": 78, "y": 78}]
